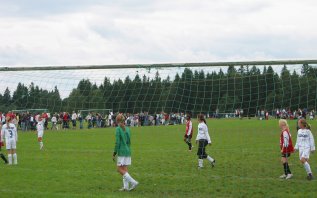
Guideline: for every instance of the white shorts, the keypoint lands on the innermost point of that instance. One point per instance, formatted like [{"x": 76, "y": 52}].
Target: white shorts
[
  {"x": 40, "y": 134},
  {"x": 123, "y": 161},
  {"x": 11, "y": 144},
  {"x": 304, "y": 153}
]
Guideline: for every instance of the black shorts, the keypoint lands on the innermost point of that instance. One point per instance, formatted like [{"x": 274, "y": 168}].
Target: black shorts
[
  {"x": 188, "y": 137},
  {"x": 285, "y": 155},
  {"x": 201, "y": 152},
  {"x": 74, "y": 122}
]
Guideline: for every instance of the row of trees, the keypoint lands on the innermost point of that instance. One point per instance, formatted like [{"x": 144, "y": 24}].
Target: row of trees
[{"x": 246, "y": 88}]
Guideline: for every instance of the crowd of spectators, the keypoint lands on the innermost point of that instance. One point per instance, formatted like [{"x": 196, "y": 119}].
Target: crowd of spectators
[
  {"x": 64, "y": 120},
  {"x": 287, "y": 113}
]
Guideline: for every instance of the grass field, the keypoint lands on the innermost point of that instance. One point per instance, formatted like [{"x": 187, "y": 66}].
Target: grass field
[{"x": 78, "y": 163}]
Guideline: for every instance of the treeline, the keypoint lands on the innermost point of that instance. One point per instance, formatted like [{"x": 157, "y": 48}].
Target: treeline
[{"x": 246, "y": 88}]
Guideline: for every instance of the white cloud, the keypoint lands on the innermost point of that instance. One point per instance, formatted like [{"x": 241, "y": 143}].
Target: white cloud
[{"x": 117, "y": 32}]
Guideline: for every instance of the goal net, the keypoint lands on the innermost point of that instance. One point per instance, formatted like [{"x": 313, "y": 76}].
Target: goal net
[{"x": 222, "y": 90}]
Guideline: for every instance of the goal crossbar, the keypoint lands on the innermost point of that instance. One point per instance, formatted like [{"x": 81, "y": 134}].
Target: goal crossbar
[{"x": 163, "y": 65}]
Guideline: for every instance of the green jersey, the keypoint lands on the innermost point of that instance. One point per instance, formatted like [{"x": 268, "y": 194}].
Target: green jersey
[{"x": 122, "y": 147}]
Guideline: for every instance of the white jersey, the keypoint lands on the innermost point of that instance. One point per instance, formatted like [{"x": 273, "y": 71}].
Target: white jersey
[
  {"x": 40, "y": 128},
  {"x": 74, "y": 116},
  {"x": 305, "y": 140},
  {"x": 203, "y": 132},
  {"x": 9, "y": 133},
  {"x": 54, "y": 119}
]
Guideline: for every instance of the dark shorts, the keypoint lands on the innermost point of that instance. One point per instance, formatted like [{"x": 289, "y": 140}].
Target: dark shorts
[
  {"x": 201, "y": 152},
  {"x": 285, "y": 155},
  {"x": 74, "y": 122},
  {"x": 188, "y": 138}
]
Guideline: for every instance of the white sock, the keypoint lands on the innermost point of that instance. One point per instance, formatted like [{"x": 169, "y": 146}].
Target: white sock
[
  {"x": 129, "y": 178},
  {"x": 307, "y": 167},
  {"x": 200, "y": 163},
  {"x": 41, "y": 144},
  {"x": 210, "y": 158},
  {"x": 15, "y": 158},
  {"x": 10, "y": 158},
  {"x": 125, "y": 183}
]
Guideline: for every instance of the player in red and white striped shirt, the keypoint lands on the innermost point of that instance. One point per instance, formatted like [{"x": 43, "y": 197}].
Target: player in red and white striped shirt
[
  {"x": 286, "y": 146},
  {"x": 189, "y": 133}
]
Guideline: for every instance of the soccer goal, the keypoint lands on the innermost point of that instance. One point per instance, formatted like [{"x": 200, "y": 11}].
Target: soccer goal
[{"x": 219, "y": 89}]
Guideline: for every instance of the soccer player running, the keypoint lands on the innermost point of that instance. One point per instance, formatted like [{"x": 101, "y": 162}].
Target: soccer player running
[
  {"x": 40, "y": 132},
  {"x": 203, "y": 139},
  {"x": 305, "y": 144},
  {"x": 9, "y": 133},
  {"x": 287, "y": 148},
  {"x": 122, "y": 149},
  {"x": 189, "y": 132}
]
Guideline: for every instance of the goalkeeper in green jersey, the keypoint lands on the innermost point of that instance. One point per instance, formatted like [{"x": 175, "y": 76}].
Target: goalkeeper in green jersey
[{"x": 122, "y": 149}]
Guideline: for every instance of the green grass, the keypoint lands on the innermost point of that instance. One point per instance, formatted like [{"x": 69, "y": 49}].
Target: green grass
[{"x": 79, "y": 164}]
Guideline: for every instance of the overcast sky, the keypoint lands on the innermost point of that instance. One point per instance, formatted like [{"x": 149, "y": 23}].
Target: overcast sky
[{"x": 84, "y": 32}]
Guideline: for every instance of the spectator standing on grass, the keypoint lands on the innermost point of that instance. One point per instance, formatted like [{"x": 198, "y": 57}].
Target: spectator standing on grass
[
  {"x": 93, "y": 120},
  {"x": 162, "y": 116},
  {"x": 109, "y": 119},
  {"x": 99, "y": 120},
  {"x": 113, "y": 118},
  {"x": 27, "y": 121},
  {"x": 137, "y": 122},
  {"x": 166, "y": 118},
  {"x": 54, "y": 122},
  {"x": 69, "y": 119},
  {"x": 65, "y": 120},
  {"x": 23, "y": 121},
  {"x": 183, "y": 118},
  {"x": 80, "y": 119},
  {"x": 31, "y": 121},
  {"x": 311, "y": 115},
  {"x": 60, "y": 121},
  {"x": 45, "y": 120},
  {"x": 277, "y": 114},
  {"x": 74, "y": 119},
  {"x": 88, "y": 118},
  {"x": 128, "y": 120}
]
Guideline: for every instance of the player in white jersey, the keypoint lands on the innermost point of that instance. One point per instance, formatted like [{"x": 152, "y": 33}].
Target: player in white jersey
[
  {"x": 305, "y": 144},
  {"x": 40, "y": 132},
  {"x": 10, "y": 135},
  {"x": 203, "y": 138},
  {"x": 2, "y": 144}
]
